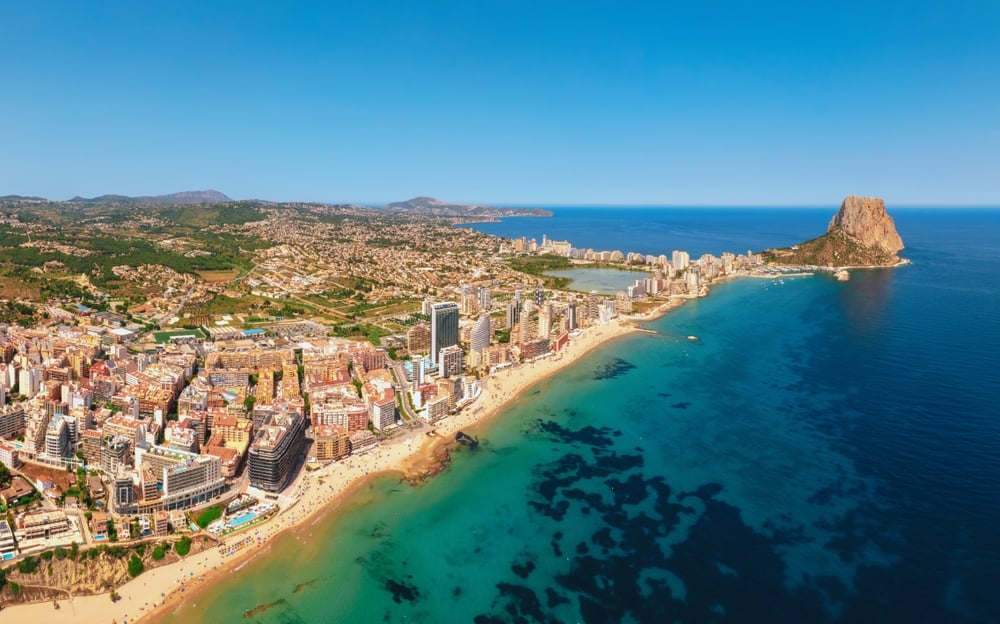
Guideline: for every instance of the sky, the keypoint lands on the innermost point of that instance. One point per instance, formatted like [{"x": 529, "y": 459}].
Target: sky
[{"x": 505, "y": 102}]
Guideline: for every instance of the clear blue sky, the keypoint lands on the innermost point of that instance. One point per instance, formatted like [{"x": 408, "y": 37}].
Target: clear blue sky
[{"x": 505, "y": 102}]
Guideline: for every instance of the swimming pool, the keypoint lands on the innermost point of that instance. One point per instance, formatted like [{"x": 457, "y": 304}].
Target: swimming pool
[
  {"x": 8, "y": 556},
  {"x": 240, "y": 520}
]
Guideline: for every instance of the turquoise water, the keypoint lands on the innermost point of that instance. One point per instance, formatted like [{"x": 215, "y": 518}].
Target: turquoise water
[
  {"x": 606, "y": 281},
  {"x": 240, "y": 520},
  {"x": 826, "y": 452}
]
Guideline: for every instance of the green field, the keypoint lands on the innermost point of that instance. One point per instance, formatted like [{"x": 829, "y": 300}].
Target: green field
[{"x": 164, "y": 336}]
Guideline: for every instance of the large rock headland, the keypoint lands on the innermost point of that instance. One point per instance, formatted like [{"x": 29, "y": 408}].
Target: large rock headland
[{"x": 861, "y": 234}]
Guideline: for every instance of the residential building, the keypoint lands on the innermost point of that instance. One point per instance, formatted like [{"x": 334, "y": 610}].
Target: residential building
[
  {"x": 450, "y": 361},
  {"x": 9, "y": 456},
  {"x": 437, "y": 408},
  {"x": 444, "y": 328},
  {"x": 43, "y": 524},
  {"x": 237, "y": 432},
  {"x": 124, "y": 493},
  {"x": 362, "y": 441},
  {"x": 418, "y": 338},
  {"x": 383, "y": 409},
  {"x": 330, "y": 442},
  {"x": 479, "y": 338},
  {"x": 29, "y": 382},
  {"x": 8, "y": 547},
  {"x": 57, "y": 437},
  {"x": 680, "y": 260},
  {"x": 513, "y": 313},
  {"x": 11, "y": 421},
  {"x": 231, "y": 457},
  {"x": 116, "y": 452},
  {"x": 99, "y": 524},
  {"x": 160, "y": 523},
  {"x": 18, "y": 491},
  {"x": 275, "y": 451}
]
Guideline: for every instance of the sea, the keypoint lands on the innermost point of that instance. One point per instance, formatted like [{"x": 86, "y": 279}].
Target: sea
[{"x": 823, "y": 452}]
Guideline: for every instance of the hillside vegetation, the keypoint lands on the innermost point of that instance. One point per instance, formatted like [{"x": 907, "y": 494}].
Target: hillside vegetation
[{"x": 832, "y": 249}]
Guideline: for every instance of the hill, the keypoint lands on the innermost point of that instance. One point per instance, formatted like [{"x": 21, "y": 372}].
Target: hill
[{"x": 21, "y": 198}]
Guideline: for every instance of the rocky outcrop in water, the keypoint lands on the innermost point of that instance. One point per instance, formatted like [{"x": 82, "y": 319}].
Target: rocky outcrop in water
[
  {"x": 861, "y": 234},
  {"x": 865, "y": 221}
]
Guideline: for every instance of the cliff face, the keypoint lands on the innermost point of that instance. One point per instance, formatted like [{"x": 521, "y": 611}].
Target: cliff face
[
  {"x": 83, "y": 575},
  {"x": 861, "y": 234},
  {"x": 865, "y": 221}
]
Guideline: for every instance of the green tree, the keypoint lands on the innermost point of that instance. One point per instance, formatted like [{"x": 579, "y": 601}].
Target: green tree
[
  {"x": 208, "y": 516},
  {"x": 183, "y": 546},
  {"x": 28, "y": 565},
  {"x": 135, "y": 566}
]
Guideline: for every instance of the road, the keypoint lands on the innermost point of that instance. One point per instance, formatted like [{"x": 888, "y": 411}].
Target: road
[{"x": 399, "y": 373}]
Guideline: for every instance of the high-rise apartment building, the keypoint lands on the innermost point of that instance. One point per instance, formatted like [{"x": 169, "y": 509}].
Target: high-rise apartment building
[
  {"x": 274, "y": 451},
  {"x": 383, "y": 409},
  {"x": 479, "y": 338},
  {"x": 485, "y": 299},
  {"x": 513, "y": 314},
  {"x": 418, "y": 339},
  {"x": 450, "y": 361},
  {"x": 680, "y": 260},
  {"x": 545, "y": 320},
  {"x": 444, "y": 328},
  {"x": 57, "y": 437}
]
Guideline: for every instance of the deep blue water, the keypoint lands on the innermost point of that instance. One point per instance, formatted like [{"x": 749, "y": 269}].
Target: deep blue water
[
  {"x": 661, "y": 230},
  {"x": 828, "y": 451}
]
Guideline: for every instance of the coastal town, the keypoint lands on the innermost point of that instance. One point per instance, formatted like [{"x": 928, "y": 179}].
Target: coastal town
[
  {"x": 143, "y": 431},
  {"x": 141, "y": 422}
]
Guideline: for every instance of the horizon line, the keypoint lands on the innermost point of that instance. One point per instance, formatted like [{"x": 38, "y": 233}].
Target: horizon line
[{"x": 554, "y": 205}]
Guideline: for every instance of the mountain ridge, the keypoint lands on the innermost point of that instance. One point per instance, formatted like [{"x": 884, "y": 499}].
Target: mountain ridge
[{"x": 172, "y": 199}]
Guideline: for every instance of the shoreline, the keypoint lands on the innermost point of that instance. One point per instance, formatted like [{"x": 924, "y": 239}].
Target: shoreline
[
  {"x": 326, "y": 489},
  {"x": 168, "y": 589}
]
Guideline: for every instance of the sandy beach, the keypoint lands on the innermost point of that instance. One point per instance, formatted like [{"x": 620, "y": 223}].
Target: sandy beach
[{"x": 169, "y": 588}]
